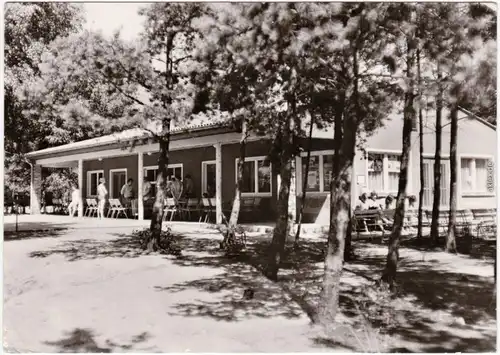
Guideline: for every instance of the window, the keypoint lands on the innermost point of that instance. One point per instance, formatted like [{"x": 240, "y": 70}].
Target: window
[
  {"x": 93, "y": 180},
  {"x": 383, "y": 172},
  {"x": 117, "y": 178},
  {"x": 151, "y": 172},
  {"x": 256, "y": 176},
  {"x": 320, "y": 172},
  {"x": 476, "y": 175},
  {"x": 208, "y": 177}
]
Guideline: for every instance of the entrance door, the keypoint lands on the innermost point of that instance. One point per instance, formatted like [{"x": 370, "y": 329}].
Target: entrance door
[
  {"x": 118, "y": 178},
  {"x": 429, "y": 182}
]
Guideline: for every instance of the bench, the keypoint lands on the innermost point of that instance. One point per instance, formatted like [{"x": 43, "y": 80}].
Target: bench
[{"x": 369, "y": 224}]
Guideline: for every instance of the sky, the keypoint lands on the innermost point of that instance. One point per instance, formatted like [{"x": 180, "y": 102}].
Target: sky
[{"x": 109, "y": 17}]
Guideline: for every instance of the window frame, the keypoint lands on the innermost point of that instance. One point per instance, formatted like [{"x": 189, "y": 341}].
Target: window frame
[
  {"x": 474, "y": 192},
  {"x": 255, "y": 160},
  {"x": 155, "y": 167},
  {"x": 89, "y": 174},
  {"x": 111, "y": 171},
  {"x": 385, "y": 170},
  {"x": 323, "y": 190},
  {"x": 203, "y": 174}
]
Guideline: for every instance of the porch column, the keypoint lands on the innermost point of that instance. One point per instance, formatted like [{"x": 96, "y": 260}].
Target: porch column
[
  {"x": 140, "y": 177},
  {"x": 35, "y": 188},
  {"x": 218, "y": 182},
  {"x": 80, "y": 187}
]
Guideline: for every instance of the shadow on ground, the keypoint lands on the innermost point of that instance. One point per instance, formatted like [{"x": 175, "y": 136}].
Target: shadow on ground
[
  {"x": 82, "y": 340},
  {"x": 433, "y": 309},
  {"x": 33, "y": 234}
]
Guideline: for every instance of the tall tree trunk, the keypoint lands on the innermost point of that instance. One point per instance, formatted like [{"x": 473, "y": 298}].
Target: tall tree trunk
[
  {"x": 389, "y": 274},
  {"x": 164, "y": 142},
  {"x": 340, "y": 202},
  {"x": 304, "y": 183},
  {"x": 281, "y": 230},
  {"x": 451, "y": 245},
  {"x": 340, "y": 218},
  {"x": 437, "y": 164},
  {"x": 421, "y": 150},
  {"x": 235, "y": 212},
  {"x": 161, "y": 186}
]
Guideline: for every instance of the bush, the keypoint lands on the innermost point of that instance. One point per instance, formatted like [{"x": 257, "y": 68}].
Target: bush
[{"x": 167, "y": 242}]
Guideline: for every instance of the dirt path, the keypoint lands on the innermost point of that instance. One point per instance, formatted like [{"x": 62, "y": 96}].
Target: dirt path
[{"x": 73, "y": 293}]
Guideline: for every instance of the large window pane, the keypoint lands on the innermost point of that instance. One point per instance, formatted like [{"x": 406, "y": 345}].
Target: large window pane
[
  {"x": 394, "y": 163},
  {"x": 150, "y": 175},
  {"x": 313, "y": 176},
  {"x": 481, "y": 175},
  {"x": 264, "y": 174},
  {"x": 466, "y": 175},
  {"x": 248, "y": 177},
  {"x": 393, "y": 181},
  {"x": 375, "y": 172},
  {"x": 177, "y": 172},
  {"x": 93, "y": 184},
  {"x": 210, "y": 178},
  {"x": 327, "y": 171}
]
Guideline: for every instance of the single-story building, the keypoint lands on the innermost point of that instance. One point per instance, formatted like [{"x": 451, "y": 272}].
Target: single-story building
[{"x": 209, "y": 153}]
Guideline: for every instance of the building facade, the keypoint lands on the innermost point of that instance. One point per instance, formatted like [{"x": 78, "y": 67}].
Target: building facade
[{"x": 209, "y": 154}]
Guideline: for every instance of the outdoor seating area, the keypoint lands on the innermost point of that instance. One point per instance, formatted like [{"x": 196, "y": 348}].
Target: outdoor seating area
[
  {"x": 183, "y": 209},
  {"x": 377, "y": 224}
]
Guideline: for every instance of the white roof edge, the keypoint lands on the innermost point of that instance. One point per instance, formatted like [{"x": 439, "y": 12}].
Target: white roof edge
[{"x": 126, "y": 135}]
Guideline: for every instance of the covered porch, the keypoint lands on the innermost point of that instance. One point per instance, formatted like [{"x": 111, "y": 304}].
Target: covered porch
[{"x": 128, "y": 154}]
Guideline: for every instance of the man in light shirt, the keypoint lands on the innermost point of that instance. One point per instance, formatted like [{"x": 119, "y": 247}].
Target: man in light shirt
[
  {"x": 75, "y": 200},
  {"x": 102, "y": 192},
  {"x": 362, "y": 203}
]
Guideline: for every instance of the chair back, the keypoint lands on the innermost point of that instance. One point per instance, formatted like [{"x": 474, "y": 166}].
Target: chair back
[
  {"x": 93, "y": 202},
  {"x": 193, "y": 202},
  {"x": 170, "y": 202},
  {"x": 206, "y": 202}
]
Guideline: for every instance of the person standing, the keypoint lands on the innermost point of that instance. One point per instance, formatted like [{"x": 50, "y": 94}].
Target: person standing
[
  {"x": 75, "y": 200},
  {"x": 188, "y": 186},
  {"x": 176, "y": 188},
  {"x": 102, "y": 192},
  {"x": 127, "y": 193}
]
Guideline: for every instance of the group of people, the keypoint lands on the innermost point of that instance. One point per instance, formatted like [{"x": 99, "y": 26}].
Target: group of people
[{"x": 371, "y": 202}]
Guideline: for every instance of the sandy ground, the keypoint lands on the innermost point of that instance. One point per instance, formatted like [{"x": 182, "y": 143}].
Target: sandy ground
[
  {"x": 79, "y": 291},
  {"x": 52, "y": 304}
]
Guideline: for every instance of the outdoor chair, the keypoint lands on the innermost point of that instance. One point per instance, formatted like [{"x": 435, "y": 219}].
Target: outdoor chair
[
  {"x": 116, "y": 208},
  {"x": 171, "y": 206},
  {"x": 91, "y": 207},
  {"x": 208, "y": 208},
  {"x": 191, "y": 205}
]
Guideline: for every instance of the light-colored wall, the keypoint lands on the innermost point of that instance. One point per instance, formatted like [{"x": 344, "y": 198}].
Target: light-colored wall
[{"x": 474, "y": 139}]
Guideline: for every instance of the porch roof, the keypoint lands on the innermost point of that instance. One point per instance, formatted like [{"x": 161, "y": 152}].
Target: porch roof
[{"x": 127, "y": 135}]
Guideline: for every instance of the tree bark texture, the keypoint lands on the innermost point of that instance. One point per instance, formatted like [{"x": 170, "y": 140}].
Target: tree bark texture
[
  {"x": 161, "y": 186},
  {"x": 340, "y": 205},
  {"x": 235, "y": 212},
  {"x": 437, "y": 166},
  {"x": 421, "y": 151},
  {"x": 451, "y": 245},
  {"x": 281, "y": 230},
  {"x": 389, "y": 274}
]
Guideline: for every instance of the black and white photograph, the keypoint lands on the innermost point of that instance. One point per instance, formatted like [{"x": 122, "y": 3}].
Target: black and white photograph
[{"x": 259, "y": 177}]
